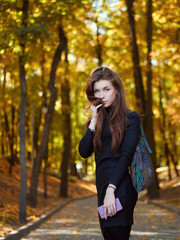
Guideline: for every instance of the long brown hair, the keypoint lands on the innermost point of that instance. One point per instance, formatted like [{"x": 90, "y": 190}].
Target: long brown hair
[{"x": 116, "y": 116}]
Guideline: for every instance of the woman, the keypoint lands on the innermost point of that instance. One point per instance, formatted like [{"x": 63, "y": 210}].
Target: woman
[{"x": 112, "y": 133}]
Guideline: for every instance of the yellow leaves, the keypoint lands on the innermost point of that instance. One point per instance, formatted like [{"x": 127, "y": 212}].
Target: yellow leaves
[
  {"x": 145, "y": 238},
  {"x": 75, "y": 232},
  {"x": 154, "y": 227},
  {"x": 84, "y": 1},
  {"x": 32, "y": 218},
  {"x": 17, "y": 49},
  {"x": 157, "y": 17}
]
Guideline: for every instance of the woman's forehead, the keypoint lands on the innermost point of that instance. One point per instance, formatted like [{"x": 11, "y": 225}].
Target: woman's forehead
[{"x": 102, "y": 83}]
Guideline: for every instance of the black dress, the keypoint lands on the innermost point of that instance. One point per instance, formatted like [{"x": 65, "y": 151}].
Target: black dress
[{"x": 114, "y": 170}]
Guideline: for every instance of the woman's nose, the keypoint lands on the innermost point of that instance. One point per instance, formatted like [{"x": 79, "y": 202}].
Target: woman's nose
[{"x": 101, "y": 95}]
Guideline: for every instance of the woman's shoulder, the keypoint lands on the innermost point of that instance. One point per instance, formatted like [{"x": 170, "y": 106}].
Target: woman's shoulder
[{"x": 133, "y": 116}]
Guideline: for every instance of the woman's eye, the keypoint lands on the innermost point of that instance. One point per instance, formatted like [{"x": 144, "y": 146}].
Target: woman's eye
[
  {"x": 107, "y": 89},
  {"x": 95, "y": 91}
]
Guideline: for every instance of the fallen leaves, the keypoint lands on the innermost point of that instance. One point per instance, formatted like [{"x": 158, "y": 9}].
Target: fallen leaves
[{"x": 10, "y": 192}]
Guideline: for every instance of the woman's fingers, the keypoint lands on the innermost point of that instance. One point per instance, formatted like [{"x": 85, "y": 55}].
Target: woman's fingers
[
  {"x": 94, "y": 109},
  {"x": 105, "y": 212},
  {"x": 110, "y": 210},
  {"x": 98, "y": 106}
]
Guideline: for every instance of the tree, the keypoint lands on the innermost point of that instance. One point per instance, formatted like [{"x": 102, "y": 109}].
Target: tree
[
  {"x": 153, "y": 192},
  {"x": 146, "y": 107},
  {"x": 66, "y": 123},
  {"x": 48, "y": 118},
  {"x": 22, "y": 133},
  {"x": 141, "y": 103}
]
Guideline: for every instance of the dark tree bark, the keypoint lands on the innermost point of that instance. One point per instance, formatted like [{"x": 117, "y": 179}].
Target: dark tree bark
[
  {"x": 66, "y": 118},
  {"x": 75, "y": 154},
  {"x": 12, "y": 133},
  {"x": 22, "y": 132},
  {"x": 163, "y": 126},
  {"x": 9, "y": 131},
  {"x": 174, "y": 163},
  {"x": 173, "y": 148},
  {"x": 11, "y": 143},
  {"x": 2, "y": 137},
  {"x": 140, "y": 96},
  {"x": 48, "y": 118},
  {"x": 162, "y": 129},
  {"x": 2, "y": 120},
  {"x": 73, "y": 167},
  {"x": 37, "y": 123},
  {"x": 86, "y": 166},
  {"x": 44, "y": 172},
  {"x": 154, "y": 191},
  {"x": 32, "y": 134}
]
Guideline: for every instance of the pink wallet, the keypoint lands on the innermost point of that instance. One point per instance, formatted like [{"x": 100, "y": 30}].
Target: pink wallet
[{"x": 118, "y": 208}]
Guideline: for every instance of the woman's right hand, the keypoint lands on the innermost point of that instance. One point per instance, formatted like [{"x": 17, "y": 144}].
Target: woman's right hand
[
  {"x": 94, "y": 110},
  {"x": 94, "y": 115}
]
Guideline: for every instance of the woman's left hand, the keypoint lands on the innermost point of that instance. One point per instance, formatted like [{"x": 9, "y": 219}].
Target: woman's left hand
[{"x": 109, "y": 203}]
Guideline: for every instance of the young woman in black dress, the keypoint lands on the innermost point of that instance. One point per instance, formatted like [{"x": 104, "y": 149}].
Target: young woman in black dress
[{"x": 112, "y": 133}]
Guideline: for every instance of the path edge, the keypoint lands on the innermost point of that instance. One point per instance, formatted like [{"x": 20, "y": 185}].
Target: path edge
[
  {"x": 25, "y": 229},
  {"x": 154, "y": 202},
  {"x": 170, "y": 208}
]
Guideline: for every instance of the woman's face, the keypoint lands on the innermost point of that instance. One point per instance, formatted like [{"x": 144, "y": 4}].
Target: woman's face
[{"x": 105, "y": 90}]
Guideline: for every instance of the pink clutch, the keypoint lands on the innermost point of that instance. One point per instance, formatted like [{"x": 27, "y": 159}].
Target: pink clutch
[{"x": 118, "y": 208}]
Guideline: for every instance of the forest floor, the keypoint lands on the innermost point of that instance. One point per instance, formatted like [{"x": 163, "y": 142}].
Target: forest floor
[
  {"x": 169, "y": 194},
  {"x": 10, "y": 193}
]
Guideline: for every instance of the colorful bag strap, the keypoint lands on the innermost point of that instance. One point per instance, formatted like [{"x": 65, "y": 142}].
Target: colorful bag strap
[{"x": 144, "y": 138}]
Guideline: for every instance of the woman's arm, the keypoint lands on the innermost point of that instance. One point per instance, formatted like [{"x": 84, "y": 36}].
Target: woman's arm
[
  {"x": 86, "y": 144},
  {"x": 86, "y": 147},
  {"x": 127, "y": 150}
]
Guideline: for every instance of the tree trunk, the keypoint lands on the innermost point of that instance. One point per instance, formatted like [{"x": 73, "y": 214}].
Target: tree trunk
[
  {"x": 38, "y": 111},
  {"x": 174, "y": 164},
  {"x": 140, "y": 96},
  {"x": 162, "y": 129},
  {"x": 9, "y": 133},
  {"x": 48, "y": 118},
  {"x": 66, "y": 118},
  {"x": 73, "y": 169},
  {"x": 154, "y": 191},
  {"x": 12, "y": 131},
  {"x": 7, "y": 130},
  {"x": 173, "y": 148},
  {"x": 32, "y": 134},
  {"x": 22, "y": 132},
  {"x": 37, "y": 123},
  {"x": 44, "y": 172},
  {"x": 2, "y": 137},
  {"x": 86, "y": 166}
]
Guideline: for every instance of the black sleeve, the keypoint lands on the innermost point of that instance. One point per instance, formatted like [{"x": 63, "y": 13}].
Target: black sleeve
[
  {"x": 127, "y": 149},
  {"x": 86, "y": 144}
]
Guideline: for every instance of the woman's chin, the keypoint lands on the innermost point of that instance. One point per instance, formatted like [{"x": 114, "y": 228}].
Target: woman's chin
[{"x": 106, "y": 105}]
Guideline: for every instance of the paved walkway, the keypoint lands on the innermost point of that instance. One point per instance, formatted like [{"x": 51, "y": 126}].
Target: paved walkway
[{"x": 79, "y": 221}]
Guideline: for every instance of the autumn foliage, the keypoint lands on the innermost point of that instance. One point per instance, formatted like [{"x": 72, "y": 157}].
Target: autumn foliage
[{"x": 47, "y": 50}]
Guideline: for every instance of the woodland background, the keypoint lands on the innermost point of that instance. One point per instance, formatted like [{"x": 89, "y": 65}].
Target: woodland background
[{"x": 48, "y": 49}]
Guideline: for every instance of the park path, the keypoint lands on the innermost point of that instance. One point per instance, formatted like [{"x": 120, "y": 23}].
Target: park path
[{"x": 79, "y": 221}]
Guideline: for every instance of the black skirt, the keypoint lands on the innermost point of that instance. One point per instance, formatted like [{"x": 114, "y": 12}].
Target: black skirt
[{"x": 126, "y": 194}]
